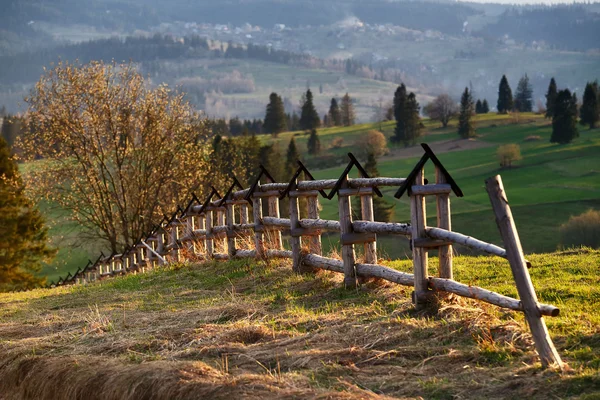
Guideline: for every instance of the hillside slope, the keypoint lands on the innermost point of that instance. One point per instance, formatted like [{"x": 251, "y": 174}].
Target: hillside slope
[{"x": 227, "y": 330}]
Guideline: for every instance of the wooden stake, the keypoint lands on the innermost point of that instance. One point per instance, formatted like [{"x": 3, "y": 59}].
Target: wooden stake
[
  {"x": 210, "y": 244},
  {"x": 418, "y": 223},
  {"x": 314, "y": 241},
  {"x": 258, "y": 227},
  {"x": 295, "y": 241},
  {"x": 444, "y": 222},
  {"x": 230, "y": 220},
  {"x": 348, "y": 255},
  {"x": 274, "y": 234},
  {"x": 366, "y": 204},
  {"x": 514, "y": 252}
]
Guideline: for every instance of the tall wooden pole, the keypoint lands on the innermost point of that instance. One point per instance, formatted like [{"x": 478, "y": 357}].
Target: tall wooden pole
[
  {"x": 444, "y": 222},
  {"x": 295, "y": 239},
  {"x": 230, "y": 220},
  {"x": 418, "y": 224},
  {"x": 275, "y": 233},
  {"x": 314, "y": 241},
  {"x": 258, "y": 227},
  {"x": 348, "y": 255},
  {"x": 518, "y": 265},
  {"x": 210, "y": 243},
  {"x": 366, "y": 204}
]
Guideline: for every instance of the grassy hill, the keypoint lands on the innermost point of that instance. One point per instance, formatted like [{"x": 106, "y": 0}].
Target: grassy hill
[
  {"x": 550, "y": 184},
  {"x": 241, "y": 329}
]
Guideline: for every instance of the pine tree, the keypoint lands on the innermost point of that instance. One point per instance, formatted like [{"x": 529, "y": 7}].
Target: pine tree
[
  {"x": 478, "y": 107},
  {"x": 551, "y": 98},
  {"x": 485, "y": 108},
  {"x": 564, "y": 120},
  {"x": 382, "y": 210},
  {"x": 314, "y": 143},
  {"x": 309, "y": 118},
  {"x": 11, "y": 128},
  {"x": 412, "y": 120},
  {"x": 347, "y": 111},
  {"x": 292, "y": 156},
  {"x": 24, "y": 238},
  {"x": 590, "y": 109},
  {"x": 399, "y": 106},
  {"x": 505, "y": 99},
  {"x": 275, "y": 118},
  {"x": 524, "y": 95},
  {"x": 335, "y": 117},
  {"x": 465, "y": 125}
]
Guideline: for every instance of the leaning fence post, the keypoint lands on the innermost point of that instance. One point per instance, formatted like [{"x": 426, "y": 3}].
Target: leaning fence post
[
  {"x": 418, "y": 224},
  {"x": 366, "y": 205},
  {"x": 258, "y": 226},
  {"x": 348, "y": 255},
  {"x": 295, "y": 231},
  {"x": 444, "y": 222},
  {"x": 518, "y": 265}
]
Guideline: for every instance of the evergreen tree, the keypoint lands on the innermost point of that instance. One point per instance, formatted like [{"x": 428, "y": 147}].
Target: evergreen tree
[
  {"x": 11, "y": 128},
  {"x": 478, "y": 107},
  {"x": 382, "y": 210},
  {"x": 335, "y": 116},
  {"x": 564, "y": 120},
  {"x": 590, "y": 109},
  {"x": 412, "y": 119},
  {"x": 485, "y": 108},
  {"x": 465, "y": 124},
  {"x": 314, "y": 143},
  {"x": 309, "y": 118},
  {"x": 524, "y": 95},
  {"x": 505, "y": 99},
  {"x": 399, "y": 106},
  {"x": 275, "y": 118},
  {"x": 24, "y": 238},
  {"x": 292, "y": 156},
  {"x": 347, "y": 111},
  {"x": 551, "y": 98}
]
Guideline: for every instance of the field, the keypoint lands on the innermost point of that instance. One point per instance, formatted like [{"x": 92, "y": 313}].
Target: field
[
  {"x": 550, "y": 184},
  {"x": 241, "y": 329}
]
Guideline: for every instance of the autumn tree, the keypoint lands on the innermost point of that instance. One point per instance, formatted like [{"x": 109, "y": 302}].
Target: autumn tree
[
  {"x": 383, "y": 211},
  {"x": 24, "y": 238},
  {"x": 508, "y": 153},
  {"x": 442, "y": 109},
  {"x": 373, "y": 142},
  {"x": 119, "y": 154}
]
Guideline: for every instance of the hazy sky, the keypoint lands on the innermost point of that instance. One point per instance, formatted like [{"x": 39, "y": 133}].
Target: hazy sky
[{"x": 522, "y": 2}]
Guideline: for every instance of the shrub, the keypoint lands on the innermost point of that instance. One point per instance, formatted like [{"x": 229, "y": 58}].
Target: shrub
[
  {"x": 336, "y": 143},
  {"x": 581, "y": 230},
  {"x": 507, "y": 153},
  {"x": 373, "y": 142}
]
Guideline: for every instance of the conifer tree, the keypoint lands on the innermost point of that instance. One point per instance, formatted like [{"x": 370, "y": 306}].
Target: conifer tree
[
  {"x": 292, "y": 156},
  {"x": 590, "y": 109},
  {"x": 412, "y": 119},
  {"x": 347, "y": 111},
  {"x": 465, "y": 124},
  {"x": 551, "y": 98},
  {"x": 309, "y": 118},
  {"x": 485, "y": 108},
  {"x": 564, "y": 120},
  {"x": 478, "y": 107},
  {"x": 275, "y": 118},
  {"x": 399, "y": 106},
  {"x": 524, "y": 95},
  {"x": 24, "y": 238},
  {"x": 335, "y": 117},
  {"x": 314, "y": 143},
  {"x": 505, "y": 99}
]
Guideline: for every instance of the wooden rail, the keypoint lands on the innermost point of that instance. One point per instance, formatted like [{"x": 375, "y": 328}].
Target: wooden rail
[{"x": 221, "y": 228}]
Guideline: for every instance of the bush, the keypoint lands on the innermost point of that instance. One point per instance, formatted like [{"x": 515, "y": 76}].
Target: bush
[
  {"x": 581, "y": 230},
  {"x": 507, "y": 153},
  {"x": 336, "y": 143},
  {"x": 373, "y": 142}
]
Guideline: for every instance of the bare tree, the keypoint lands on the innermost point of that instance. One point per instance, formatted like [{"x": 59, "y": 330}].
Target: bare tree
[
  {"x": 117, "y": 154},
  {"x": 442, "y": 109}
]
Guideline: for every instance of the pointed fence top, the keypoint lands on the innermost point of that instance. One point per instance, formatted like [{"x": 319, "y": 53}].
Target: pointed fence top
[
  {"x": 429, "y": 155},
  {"x": 227, "y": 195},
  {"x": 263, "y": 171},
  {"x": 307, "y": 175},
  {"x": 353, "y": 163}
]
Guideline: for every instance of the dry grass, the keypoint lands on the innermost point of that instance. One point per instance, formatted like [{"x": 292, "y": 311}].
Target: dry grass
[{"x": 247, "y": 330}]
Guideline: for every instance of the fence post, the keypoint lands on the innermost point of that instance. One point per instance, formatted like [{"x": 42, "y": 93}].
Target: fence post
[
  {"x": 275, "y": 233},
  {"x": 444, "y": 222},
  {"x": 295, "y": 237},
  {"x": 160, "y": 245},
  {"x": 366, "y": 205},
  {"x": 418, "y": 223},
  {"x": 209, "y": 235},
  {"x": 518, "y": 265},
  {"x": 314, "y": 241},
  {"x": 258, "y": 226},
  {"x": 348, "y": 255},
  {"x": 230, "y": 220}
]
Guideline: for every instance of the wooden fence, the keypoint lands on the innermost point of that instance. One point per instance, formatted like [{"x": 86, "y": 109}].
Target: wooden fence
[{"x": 221, "y": 228}]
